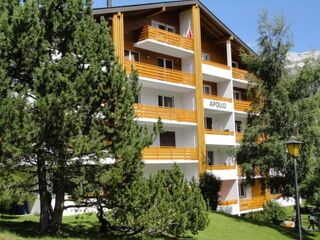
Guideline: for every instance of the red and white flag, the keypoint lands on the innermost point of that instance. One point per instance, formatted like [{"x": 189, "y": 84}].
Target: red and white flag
[{"x": 189, "y": 33}]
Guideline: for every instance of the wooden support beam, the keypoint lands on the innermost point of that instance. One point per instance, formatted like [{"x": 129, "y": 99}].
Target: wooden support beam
[
  {"x": 118, "y": 36},
  {"x": 196, "y": 26},
  {"x": 223, "y": 40},
  {"x": 155, "y": 13}
]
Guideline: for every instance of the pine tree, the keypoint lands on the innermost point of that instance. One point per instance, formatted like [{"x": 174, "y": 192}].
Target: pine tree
[
  {"x": 281, "y": 108},
  {"x": 65, "y": 104}
]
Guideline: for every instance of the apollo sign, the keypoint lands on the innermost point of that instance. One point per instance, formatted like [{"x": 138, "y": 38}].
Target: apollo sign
[{"x": 217, "y": 105}]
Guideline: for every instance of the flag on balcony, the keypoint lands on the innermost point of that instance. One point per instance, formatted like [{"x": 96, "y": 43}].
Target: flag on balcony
[{"x": 189, "y": 33}]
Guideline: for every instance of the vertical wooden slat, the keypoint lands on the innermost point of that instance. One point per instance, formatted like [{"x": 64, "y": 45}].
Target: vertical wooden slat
[
  {"x": 118, "y": 35},
  {"x": 196, "y": 27}
]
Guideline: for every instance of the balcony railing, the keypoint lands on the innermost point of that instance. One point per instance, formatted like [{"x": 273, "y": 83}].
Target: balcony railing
[
  {"x": 252, "y": 203},
  {"x": 215, "y": 64},
  {"x": 170, "y": 153},
  {"x": 221, "y": 167},
  {"x": 239, "y": 73},
  {"x": 159, "y": 73},
  {"x": 149, "y": 32},
  {"x": 175, "y": 114},
  {"x": 219, "y": 132},
  {"x": 242, "y": 106},
  {"x": 217, "y": 98},
  {"x": 239, "y": 136},
  {"x": 227, "y": 202}
]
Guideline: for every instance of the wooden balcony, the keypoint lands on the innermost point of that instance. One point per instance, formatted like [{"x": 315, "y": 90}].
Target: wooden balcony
[
  {"x": 252, "y": 203},
  {"x": 228, "y": 202},
  {"x": 159, "y": 73},
  {"x": 221, "y": 167},
  {"x": 239, "y": 136},
  {"x": 219, "y": 132},
  {"x": 149, "y": 32},
  {"x": 215, "y": 64},
  {"x": 175, "y": 114},
  {"x": 242, "y": 106},
  {"x": 239, "y": 73},
  {"x": 170, "y": 153},
  {"x": 217, "y": 98}
]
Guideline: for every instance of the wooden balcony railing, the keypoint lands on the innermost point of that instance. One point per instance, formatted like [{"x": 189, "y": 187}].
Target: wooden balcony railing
[
  {"x": 170, "y": 153},
  {"x": 227, "y": 202},
  {"x": 219, "y": 132},
  {"x": 239, "y": 136},
  {"x": 241, "y": 105},
  {"x": 252, "y": 203},
  {"x": 159, "y": 73},
  {"x": 149, "y": 111},
  {"x": 257, "y": 171},
  {"x": 239, "y": 73},
  {"x": 218, "y": 98},
  {"x": 215, "y": 64},
  {"x": 221, "y": 167},
  {"x": 149, "y": 32}
]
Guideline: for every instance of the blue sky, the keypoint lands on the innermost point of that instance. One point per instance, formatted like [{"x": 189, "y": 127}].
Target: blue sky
[{"x": 241, "y": 17}]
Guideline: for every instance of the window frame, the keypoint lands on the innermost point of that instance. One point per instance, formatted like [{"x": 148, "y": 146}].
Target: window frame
[
  {"x": 209, "y": 87},
  {"x": 130, "y": 55},
  {"x": 156, "y": 24},
  {"x": 235, "y": 63},
  {"x": 242, "y": 189},
  {"x": 235, "y": 92},
  {"x": 162, "y": 101},
  {"x": 165, "y": 62}
]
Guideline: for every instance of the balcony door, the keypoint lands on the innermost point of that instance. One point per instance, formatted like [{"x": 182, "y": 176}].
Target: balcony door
[
  {"x": 208, "y": 123},
  {"x": 210, "y": 158},
  {"x": 168, "y": 139}
]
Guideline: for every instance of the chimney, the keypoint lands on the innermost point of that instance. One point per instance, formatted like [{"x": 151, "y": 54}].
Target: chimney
[{"x": 109, "y": 3}]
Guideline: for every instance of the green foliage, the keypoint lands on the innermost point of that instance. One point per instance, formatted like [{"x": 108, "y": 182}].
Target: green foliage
[
  {"x": 286, "y": 104},
  {"x": 65, "y": 104},
  {"x": 272, "y": 213},
  {"x": 164, "y": 205},
  {"x": 210, "y": 187}
]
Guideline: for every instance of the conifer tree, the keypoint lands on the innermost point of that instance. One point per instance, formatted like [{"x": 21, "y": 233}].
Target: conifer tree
[
  {"x": 281, "y": 108},
  {"x": 65, "y": 104},
  {"x": 67, "y": 124}
]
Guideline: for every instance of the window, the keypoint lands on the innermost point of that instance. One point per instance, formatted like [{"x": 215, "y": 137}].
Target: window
[
  {"x": 237, "y": 95},
  {"x": 238, "y": 126},
  {"x": 210, "y": 158},
  {"x": 235, "y": 64},
  {"x": 165, "y": 63},
  {"x": 207, "y": 89},
  {"x": 131, "y": 55},
  {"x": 242, "y": 190},
  {"x": 164, "y": 101},
  {"x": 163, "y": 26},
  {"x": 168, "y": 139},
  {"x": 205, "y": 56},
  {"x": 208, "y": 123}
]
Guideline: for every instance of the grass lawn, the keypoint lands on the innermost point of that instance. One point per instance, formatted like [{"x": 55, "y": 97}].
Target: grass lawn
[{"x": 222, "y": 227}]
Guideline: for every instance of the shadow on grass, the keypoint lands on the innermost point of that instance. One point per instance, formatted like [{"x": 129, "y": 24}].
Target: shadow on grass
[
  {"x": 30, "y": 229},
  {"x": 289, "y": 232}
]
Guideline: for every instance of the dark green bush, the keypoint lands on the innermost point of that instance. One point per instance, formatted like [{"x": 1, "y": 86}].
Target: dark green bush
[
  {"x": 272, "y": 213},
  {"x": 210, "y": 187}
]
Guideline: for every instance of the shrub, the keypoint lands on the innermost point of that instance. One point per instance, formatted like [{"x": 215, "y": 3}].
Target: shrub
[
  {"x": 210, "y": 187},
  {"x": 272, "y": 213}
]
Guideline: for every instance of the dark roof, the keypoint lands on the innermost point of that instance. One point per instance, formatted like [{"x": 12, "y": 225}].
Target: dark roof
[{"x": 128, "y": 8}]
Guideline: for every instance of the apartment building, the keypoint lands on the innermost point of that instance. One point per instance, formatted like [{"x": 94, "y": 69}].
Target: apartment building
[{"x": 192, "y": 78}]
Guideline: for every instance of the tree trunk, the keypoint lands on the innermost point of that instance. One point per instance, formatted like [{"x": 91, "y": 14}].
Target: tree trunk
[
  {"x": 45, "y": 198},
  {"x": 55, "y": 227},
  {"x": 59, "y": 189}
]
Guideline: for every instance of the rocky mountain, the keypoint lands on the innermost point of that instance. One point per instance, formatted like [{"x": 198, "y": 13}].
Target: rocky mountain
[{"x": 296, "y": 60}]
